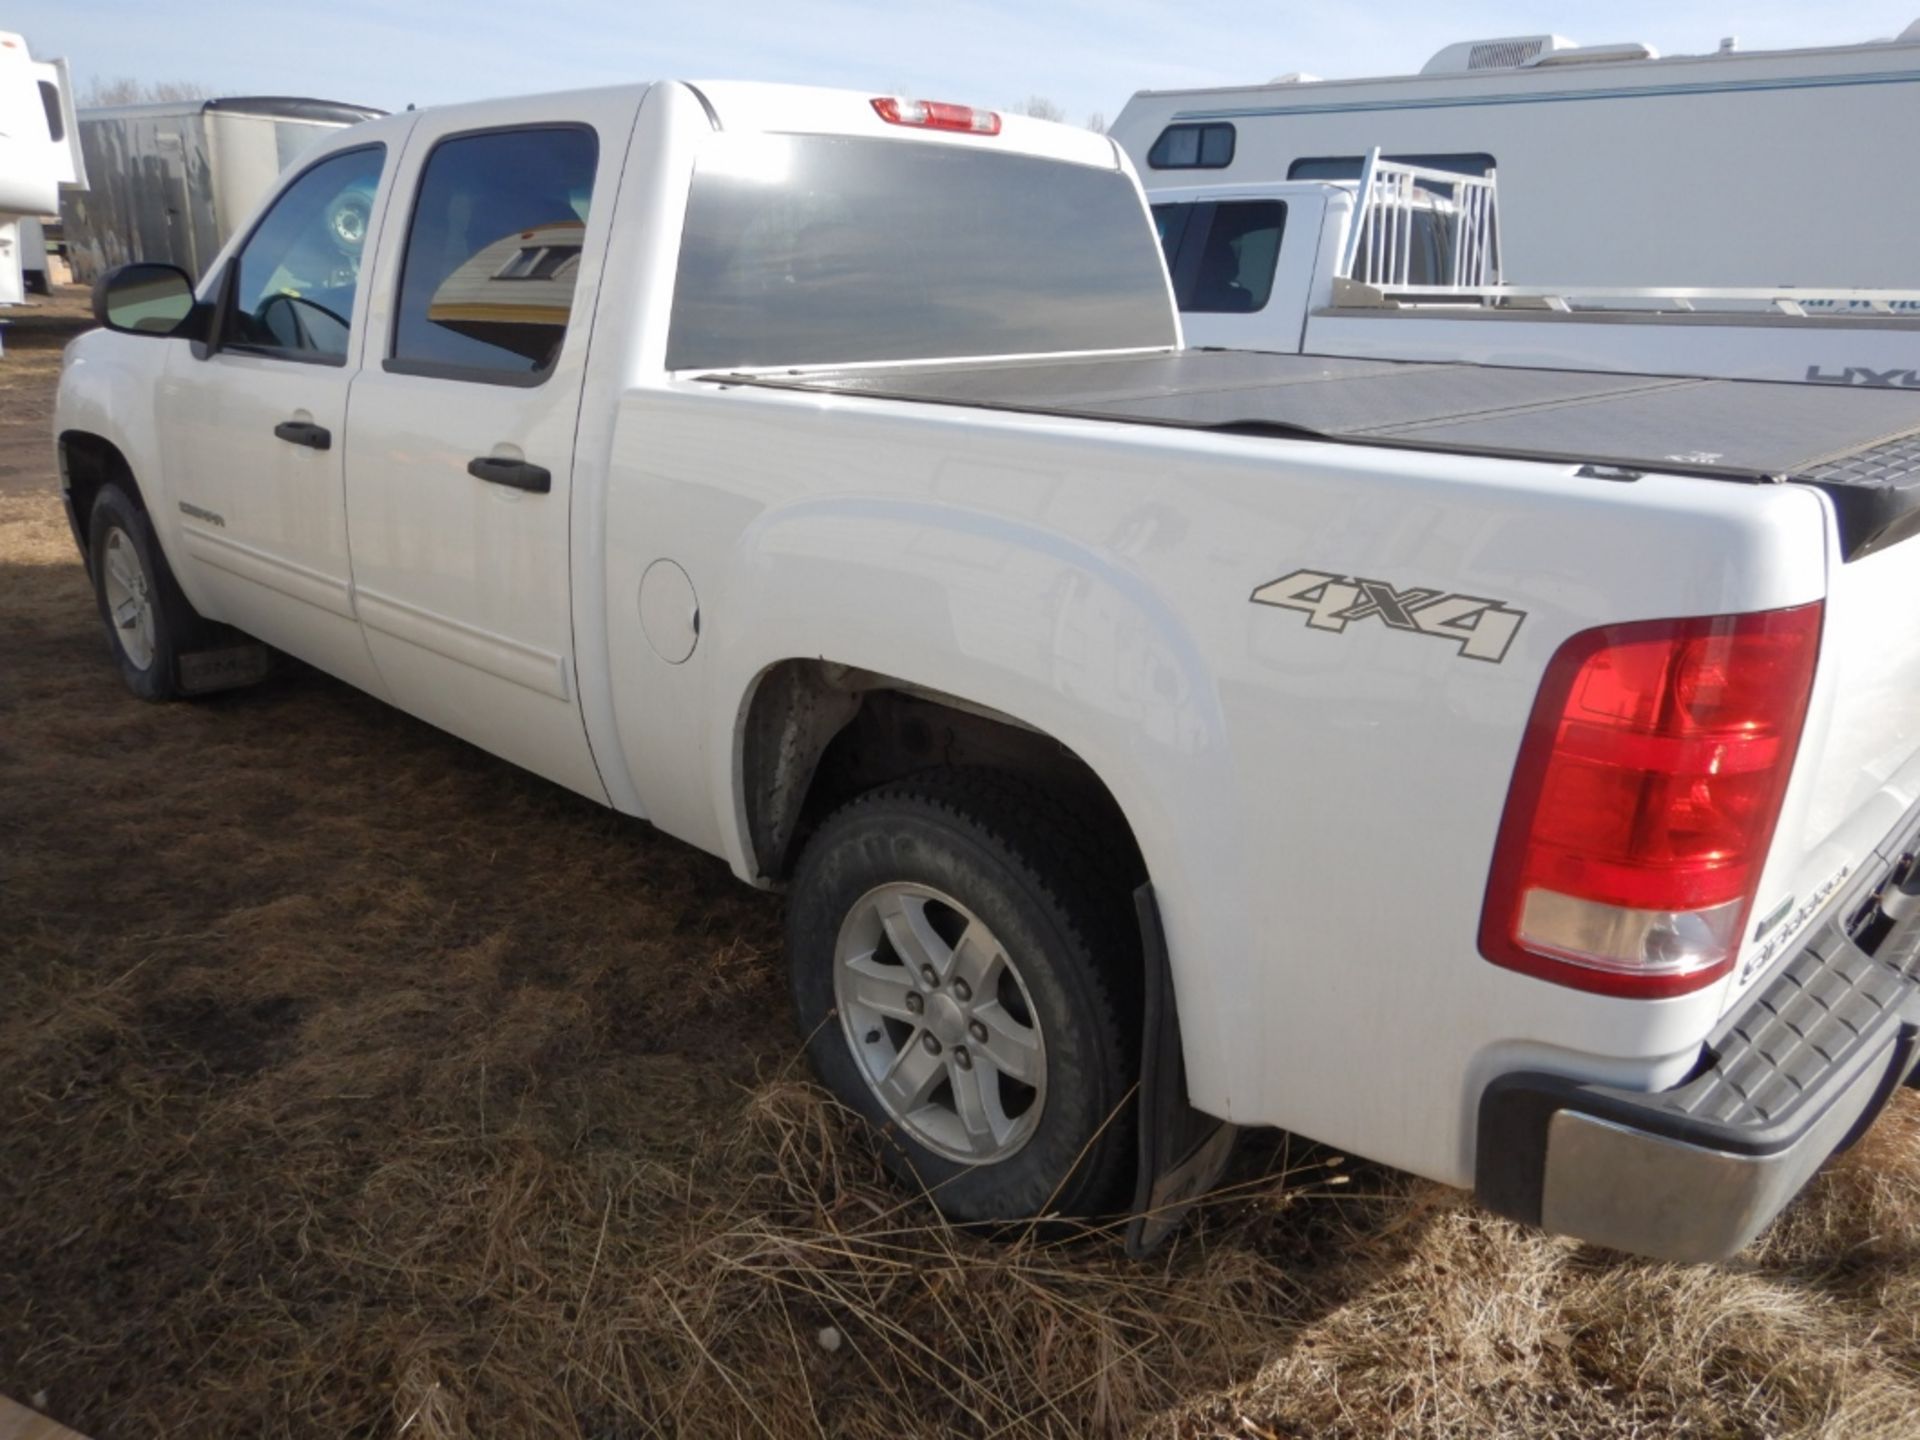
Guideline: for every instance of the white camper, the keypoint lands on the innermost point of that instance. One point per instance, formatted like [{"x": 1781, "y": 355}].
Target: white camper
[
  {"x": 39, "y": 152},
  {"x": 1739, "y": 168}
]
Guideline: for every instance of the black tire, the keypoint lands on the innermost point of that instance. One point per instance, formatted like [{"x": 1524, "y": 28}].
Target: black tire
[
  {"x": 1063, "y": 913},
  {"x": 175, "y": 625}
]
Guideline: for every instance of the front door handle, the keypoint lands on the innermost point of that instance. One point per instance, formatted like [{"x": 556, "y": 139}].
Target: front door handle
[
  {"x": 304, "y": 432},
  {"x": 517, "y": 473}
]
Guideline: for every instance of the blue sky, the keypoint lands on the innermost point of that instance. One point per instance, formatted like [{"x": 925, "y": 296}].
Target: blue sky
[{"x": 1087, "y": 55}]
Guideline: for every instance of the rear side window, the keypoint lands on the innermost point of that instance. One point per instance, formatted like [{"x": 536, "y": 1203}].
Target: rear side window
[
  {"x": 493, "y": 252},
  {"x": 817, "y": 249},
  {"x": 1222, "y": 254},
  {"x": 1193, "y": 147}
]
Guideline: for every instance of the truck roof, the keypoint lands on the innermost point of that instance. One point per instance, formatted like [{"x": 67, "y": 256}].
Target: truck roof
[
  {"x": 1859, "y": 444},
  {"x": 746, "y": 106}
]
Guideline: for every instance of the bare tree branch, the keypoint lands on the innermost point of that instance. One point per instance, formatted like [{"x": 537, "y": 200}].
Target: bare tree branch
[{"x": 125, "y": 90}]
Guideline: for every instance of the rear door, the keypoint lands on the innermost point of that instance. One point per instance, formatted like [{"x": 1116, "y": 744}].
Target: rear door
[{"x": 459, "y": 458}]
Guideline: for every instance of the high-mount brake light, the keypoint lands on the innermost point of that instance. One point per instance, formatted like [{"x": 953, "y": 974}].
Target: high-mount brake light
[
  {"x": 936, "y": 115},
  {"x": 1645, "y": 799}
]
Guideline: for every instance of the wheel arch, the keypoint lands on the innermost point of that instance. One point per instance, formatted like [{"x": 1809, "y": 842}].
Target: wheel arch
[
  {"x": 812, "y": 733},
  {"x": 89, "y": 462}
]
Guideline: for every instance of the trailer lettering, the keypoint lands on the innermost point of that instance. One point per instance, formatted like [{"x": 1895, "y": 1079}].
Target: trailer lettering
[{"x": 1861, "y": 375}]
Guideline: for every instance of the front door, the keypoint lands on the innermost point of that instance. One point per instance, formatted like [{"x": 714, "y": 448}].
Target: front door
[
  {"x": 252, "y": 434},
  {"x": 459, "y": 457}
]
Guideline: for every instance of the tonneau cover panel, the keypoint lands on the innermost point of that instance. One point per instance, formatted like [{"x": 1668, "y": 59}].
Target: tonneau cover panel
[{"x": 1859, "y": 444}]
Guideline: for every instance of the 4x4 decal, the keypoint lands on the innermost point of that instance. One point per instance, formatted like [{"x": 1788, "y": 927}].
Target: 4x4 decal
[{"x": 1482, "y": 628}]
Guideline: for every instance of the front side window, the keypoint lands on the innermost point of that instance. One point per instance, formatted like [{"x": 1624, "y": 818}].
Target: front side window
[
  {"x": 1222, "y": 254},
  {"x": 1193, "y": 147},
  {"x": 493, "y": 253},
  {"x": 296, "y": 277}
]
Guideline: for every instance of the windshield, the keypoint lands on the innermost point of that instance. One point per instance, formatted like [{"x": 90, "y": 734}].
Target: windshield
[{"x": 814, "y": 250}]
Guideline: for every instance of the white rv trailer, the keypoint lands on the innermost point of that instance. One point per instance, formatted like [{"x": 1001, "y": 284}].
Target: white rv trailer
[
  {"x": 1760, "y": 168},
  {"x": 39, "y": 151}
]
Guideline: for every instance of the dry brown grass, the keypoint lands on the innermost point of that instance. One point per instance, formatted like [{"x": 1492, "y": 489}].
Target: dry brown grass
[{"x": 354, "y": 1084}]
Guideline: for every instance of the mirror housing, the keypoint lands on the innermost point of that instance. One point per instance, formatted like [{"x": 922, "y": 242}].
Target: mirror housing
[{"x": 146, "y": 298}]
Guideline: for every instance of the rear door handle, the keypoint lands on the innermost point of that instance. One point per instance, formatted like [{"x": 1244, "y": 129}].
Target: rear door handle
[
  {"x": 517, "y": 473},
  {"x": 304, "y": 432}
]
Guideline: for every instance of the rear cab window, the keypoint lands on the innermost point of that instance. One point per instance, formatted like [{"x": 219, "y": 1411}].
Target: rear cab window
[
  {"x": 1348, "y": 167},
  {"x": 492, "y": 254},
  {"x": 826, "y": 249}
]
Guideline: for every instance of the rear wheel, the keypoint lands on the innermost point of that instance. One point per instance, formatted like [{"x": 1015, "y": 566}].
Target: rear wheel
[{"x": 960, "y": 962}]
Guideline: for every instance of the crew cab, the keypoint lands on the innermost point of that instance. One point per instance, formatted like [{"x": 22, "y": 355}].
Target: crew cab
[
  {"x": 1509, "y": 775},
  {"x": 1405, "y": 264}
]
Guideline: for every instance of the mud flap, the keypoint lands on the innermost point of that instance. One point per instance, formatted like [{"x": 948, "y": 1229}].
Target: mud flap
[
  {"x": 227, "y": 667},
  {"x": 1183, "y": 1153}
]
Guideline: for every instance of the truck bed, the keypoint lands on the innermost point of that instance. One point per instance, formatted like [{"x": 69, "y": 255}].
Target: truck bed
[{"x": 1859, "y": 444}]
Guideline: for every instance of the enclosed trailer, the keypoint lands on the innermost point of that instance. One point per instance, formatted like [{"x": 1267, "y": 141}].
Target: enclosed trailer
[
  {"x": 1738, "y": 168},
  {"x": 171, "y": 182}
]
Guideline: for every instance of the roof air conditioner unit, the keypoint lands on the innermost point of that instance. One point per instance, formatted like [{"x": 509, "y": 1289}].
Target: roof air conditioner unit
[{"x": 1500, "y": 54}]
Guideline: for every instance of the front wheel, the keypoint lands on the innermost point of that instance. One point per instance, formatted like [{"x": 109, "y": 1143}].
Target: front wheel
[
  {"x": 961, "y": 962},
  {"x": 135, "y": 604}
]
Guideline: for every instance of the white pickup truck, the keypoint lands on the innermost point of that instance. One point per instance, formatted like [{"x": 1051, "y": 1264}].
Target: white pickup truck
[
  {"x": 1509, "y": 775},
  {"x": 1405, "y": 265}
]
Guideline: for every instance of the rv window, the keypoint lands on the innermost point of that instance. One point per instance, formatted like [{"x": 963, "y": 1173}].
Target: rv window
[
  {"x": 487, "y": 284},
  {"x": 1222, "y": 254},
  {"x": 50, "y": 101},
  {"x": 295, "y": 279},
  {"x": 1347, "y": 167},
  {"x": 1192, "y": 147}
]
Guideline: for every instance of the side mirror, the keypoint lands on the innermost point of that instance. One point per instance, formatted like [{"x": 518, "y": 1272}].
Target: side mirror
[{"x": 144, "y": 299}]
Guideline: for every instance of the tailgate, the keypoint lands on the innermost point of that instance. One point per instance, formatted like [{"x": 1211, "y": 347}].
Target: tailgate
[{"x": 1858, "y": 770}]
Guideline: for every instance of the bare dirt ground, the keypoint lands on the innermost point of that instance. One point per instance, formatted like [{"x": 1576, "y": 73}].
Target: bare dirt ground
[{"x": 355, "y": 1084}]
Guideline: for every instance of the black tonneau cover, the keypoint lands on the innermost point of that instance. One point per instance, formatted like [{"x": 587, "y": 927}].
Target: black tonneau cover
[{"x": 1859, "y": 444}]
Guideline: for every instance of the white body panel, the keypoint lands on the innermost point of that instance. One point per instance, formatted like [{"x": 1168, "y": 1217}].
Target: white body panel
[
  {"x": 1316, "y": 812},
  {"x": 1762, "y": 168}
]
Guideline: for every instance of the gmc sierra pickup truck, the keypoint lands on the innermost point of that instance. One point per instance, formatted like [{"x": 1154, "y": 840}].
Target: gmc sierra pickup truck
[{"x": 1509, "y": 775}]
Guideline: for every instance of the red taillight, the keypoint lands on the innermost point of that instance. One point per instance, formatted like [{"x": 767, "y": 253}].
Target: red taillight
[
  {"x": 1645, "y": 798},
  {"x": 936, "y": 115}
]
